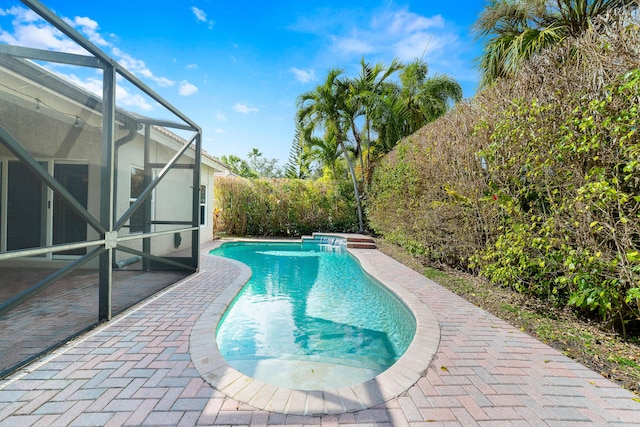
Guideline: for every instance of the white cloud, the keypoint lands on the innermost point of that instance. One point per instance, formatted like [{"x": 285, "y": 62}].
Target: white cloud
[
  {"x": 123, "y": 96},
  {"x": 420, "y": 44},
  {"x": 163, "y": 81},
  {"x": 386, "y": 33},
  {"x": 244, "y": 108},
  {"x": 220, "y": 130},
  {"x": 352, "y": 45},
  {"x": 303, "y": 76},
  {"x": 201, "y": 16},
  {"x": 192, "y": 66},
  {"x": 187, "y": 89},
  {"x": 139, "y": 68},
  {"x": 92, "y": 84},
  {"x": 89, "y": 28},
  {"x": 403, "y": 22},
  {"x": 21, "y": 14},
  {"x": 220, "y": 116},
  {"x": 31, "y": 30},
  {"x": 412, "y": 35},
  {"x": 135, "y": 100}
]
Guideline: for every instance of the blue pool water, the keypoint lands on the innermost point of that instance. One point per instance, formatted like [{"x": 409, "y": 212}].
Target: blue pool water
[{"x": 310, "y": 318}]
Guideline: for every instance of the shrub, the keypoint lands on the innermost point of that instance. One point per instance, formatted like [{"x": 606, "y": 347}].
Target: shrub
[
  {"x": 424, "y": 194},
  {"x": 282, "y": 207},
  {"x": 568, "y": 184},
  {"x": 534, "y": 183}
]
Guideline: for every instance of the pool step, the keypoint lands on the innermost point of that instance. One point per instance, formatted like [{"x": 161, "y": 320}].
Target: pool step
[
  {"x": 361, "y": 245},
  {"x": 354, "y": 241}
]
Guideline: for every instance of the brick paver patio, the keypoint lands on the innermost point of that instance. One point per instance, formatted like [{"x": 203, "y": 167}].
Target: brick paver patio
[{"x": 137, "y": 370}]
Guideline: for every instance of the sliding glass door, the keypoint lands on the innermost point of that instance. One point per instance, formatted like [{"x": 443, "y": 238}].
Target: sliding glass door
[
  {"x": 68, "y": 226},
  {"x": 26, "y": 201},
  {"x": 32, "y": 218}
]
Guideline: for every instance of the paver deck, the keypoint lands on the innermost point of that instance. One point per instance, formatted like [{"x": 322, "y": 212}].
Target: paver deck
[{"x": 139, "y": 370}]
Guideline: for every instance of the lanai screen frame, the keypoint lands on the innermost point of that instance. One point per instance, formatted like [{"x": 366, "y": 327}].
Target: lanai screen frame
[{"x": 107, "y": 224}]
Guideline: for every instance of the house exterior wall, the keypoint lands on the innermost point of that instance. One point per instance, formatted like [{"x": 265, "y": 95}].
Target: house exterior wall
[
  {"x": 207, "y": 173},
  {"x": 55, "y": 130},
  {"x": 68, "y": 257}
]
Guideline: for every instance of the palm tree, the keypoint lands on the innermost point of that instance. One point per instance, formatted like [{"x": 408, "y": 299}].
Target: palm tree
[
  {"x": 426, "y": 98},
  {"x": 388, "y": 119},
  {"x": 401, "y": 110},
  {"x": 325, "y": 151},
  {"x": 364, "y": 93},
  {"x": 517, "y": 29},
  {"x": 323, "y": 108}
]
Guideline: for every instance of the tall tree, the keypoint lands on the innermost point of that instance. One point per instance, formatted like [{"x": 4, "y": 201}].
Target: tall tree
[
  {"x": 298, "y": 165},
  {"x": 326, "y": 152},
  {"x": 388, "y": 119},
  {"x": 323, "y": 109},
  {"x": 517, "y": 29},
  {"x": 265, "y": 168},
  {"x": 239, "y": 166},
  {"x": 364, "y": 92},
  {"x": 400, "y": 110},
  {"x": 426, "y": 98},
  {"x": 256, "y": 167}
]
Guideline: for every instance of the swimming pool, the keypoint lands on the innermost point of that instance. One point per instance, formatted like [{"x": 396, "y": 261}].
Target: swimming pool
[{"x": 310, "y": 318}]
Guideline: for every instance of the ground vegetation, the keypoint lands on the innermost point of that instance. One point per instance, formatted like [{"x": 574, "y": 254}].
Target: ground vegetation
[
  {"x": 534, "y": 184},
  {"x": 581, "y": 339}
]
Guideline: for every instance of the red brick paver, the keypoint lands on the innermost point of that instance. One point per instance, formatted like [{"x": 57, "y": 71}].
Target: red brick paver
[{"x": 137, "y": 370}]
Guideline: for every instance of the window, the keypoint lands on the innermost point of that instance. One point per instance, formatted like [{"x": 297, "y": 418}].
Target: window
[
  {"x": 203, "y": 205},
  {"x": 137, "y": 220}
]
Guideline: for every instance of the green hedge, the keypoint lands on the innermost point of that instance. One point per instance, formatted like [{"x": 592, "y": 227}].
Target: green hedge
[
  {"x": 425, "y": 195},
  {"x": 535, "y": 183},
  {"x": 567, "y": 189},
  {"x": 282, "y": 207}
]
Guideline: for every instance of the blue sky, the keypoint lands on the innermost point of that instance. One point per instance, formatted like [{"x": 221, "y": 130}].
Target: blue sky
[{"x": 236, "y": 68}]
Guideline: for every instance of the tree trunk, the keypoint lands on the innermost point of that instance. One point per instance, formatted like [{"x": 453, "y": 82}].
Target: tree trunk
[
  {"x": 355, "y": 186},
  {"x": 356, "y": 136}
]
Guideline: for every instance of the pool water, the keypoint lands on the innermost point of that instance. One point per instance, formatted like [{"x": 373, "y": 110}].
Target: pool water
[{"x": 310, "y": 318}]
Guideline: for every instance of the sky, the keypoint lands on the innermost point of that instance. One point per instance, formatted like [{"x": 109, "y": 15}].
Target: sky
[{"x": 236, "y": 68}]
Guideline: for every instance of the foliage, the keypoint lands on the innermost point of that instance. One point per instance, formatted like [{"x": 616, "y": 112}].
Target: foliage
[
  {"x": 425, "y": 194},
  {"x": 365, "y": 94},
  {"x": 323, "y": 109},
  {"x": 298, "y": 166},
  {"x": 265, "y": 168},
  {"x": 425, "y": 98},
  {"x": 569, "y": 193},
  {"x": 516, "y": 30},
  {"x": 238, "y": 166},
  {"x": 282, "y": 207},
  {"x": 535, "y": 183},
  {"x": 255, "y": 167},
  {"x": 362, "y": 118}
]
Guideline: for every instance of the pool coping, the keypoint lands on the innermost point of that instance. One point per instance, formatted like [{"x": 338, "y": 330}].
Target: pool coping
[{"x": 389, "y": 384}]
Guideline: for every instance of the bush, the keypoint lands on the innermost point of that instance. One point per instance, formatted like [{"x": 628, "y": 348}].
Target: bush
[
  {"x": 425, "y": 194},
  {"x": 568, "y": 186},
  {"x": 535, "y": 183},
  {"x": 282, "y": 207}
]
